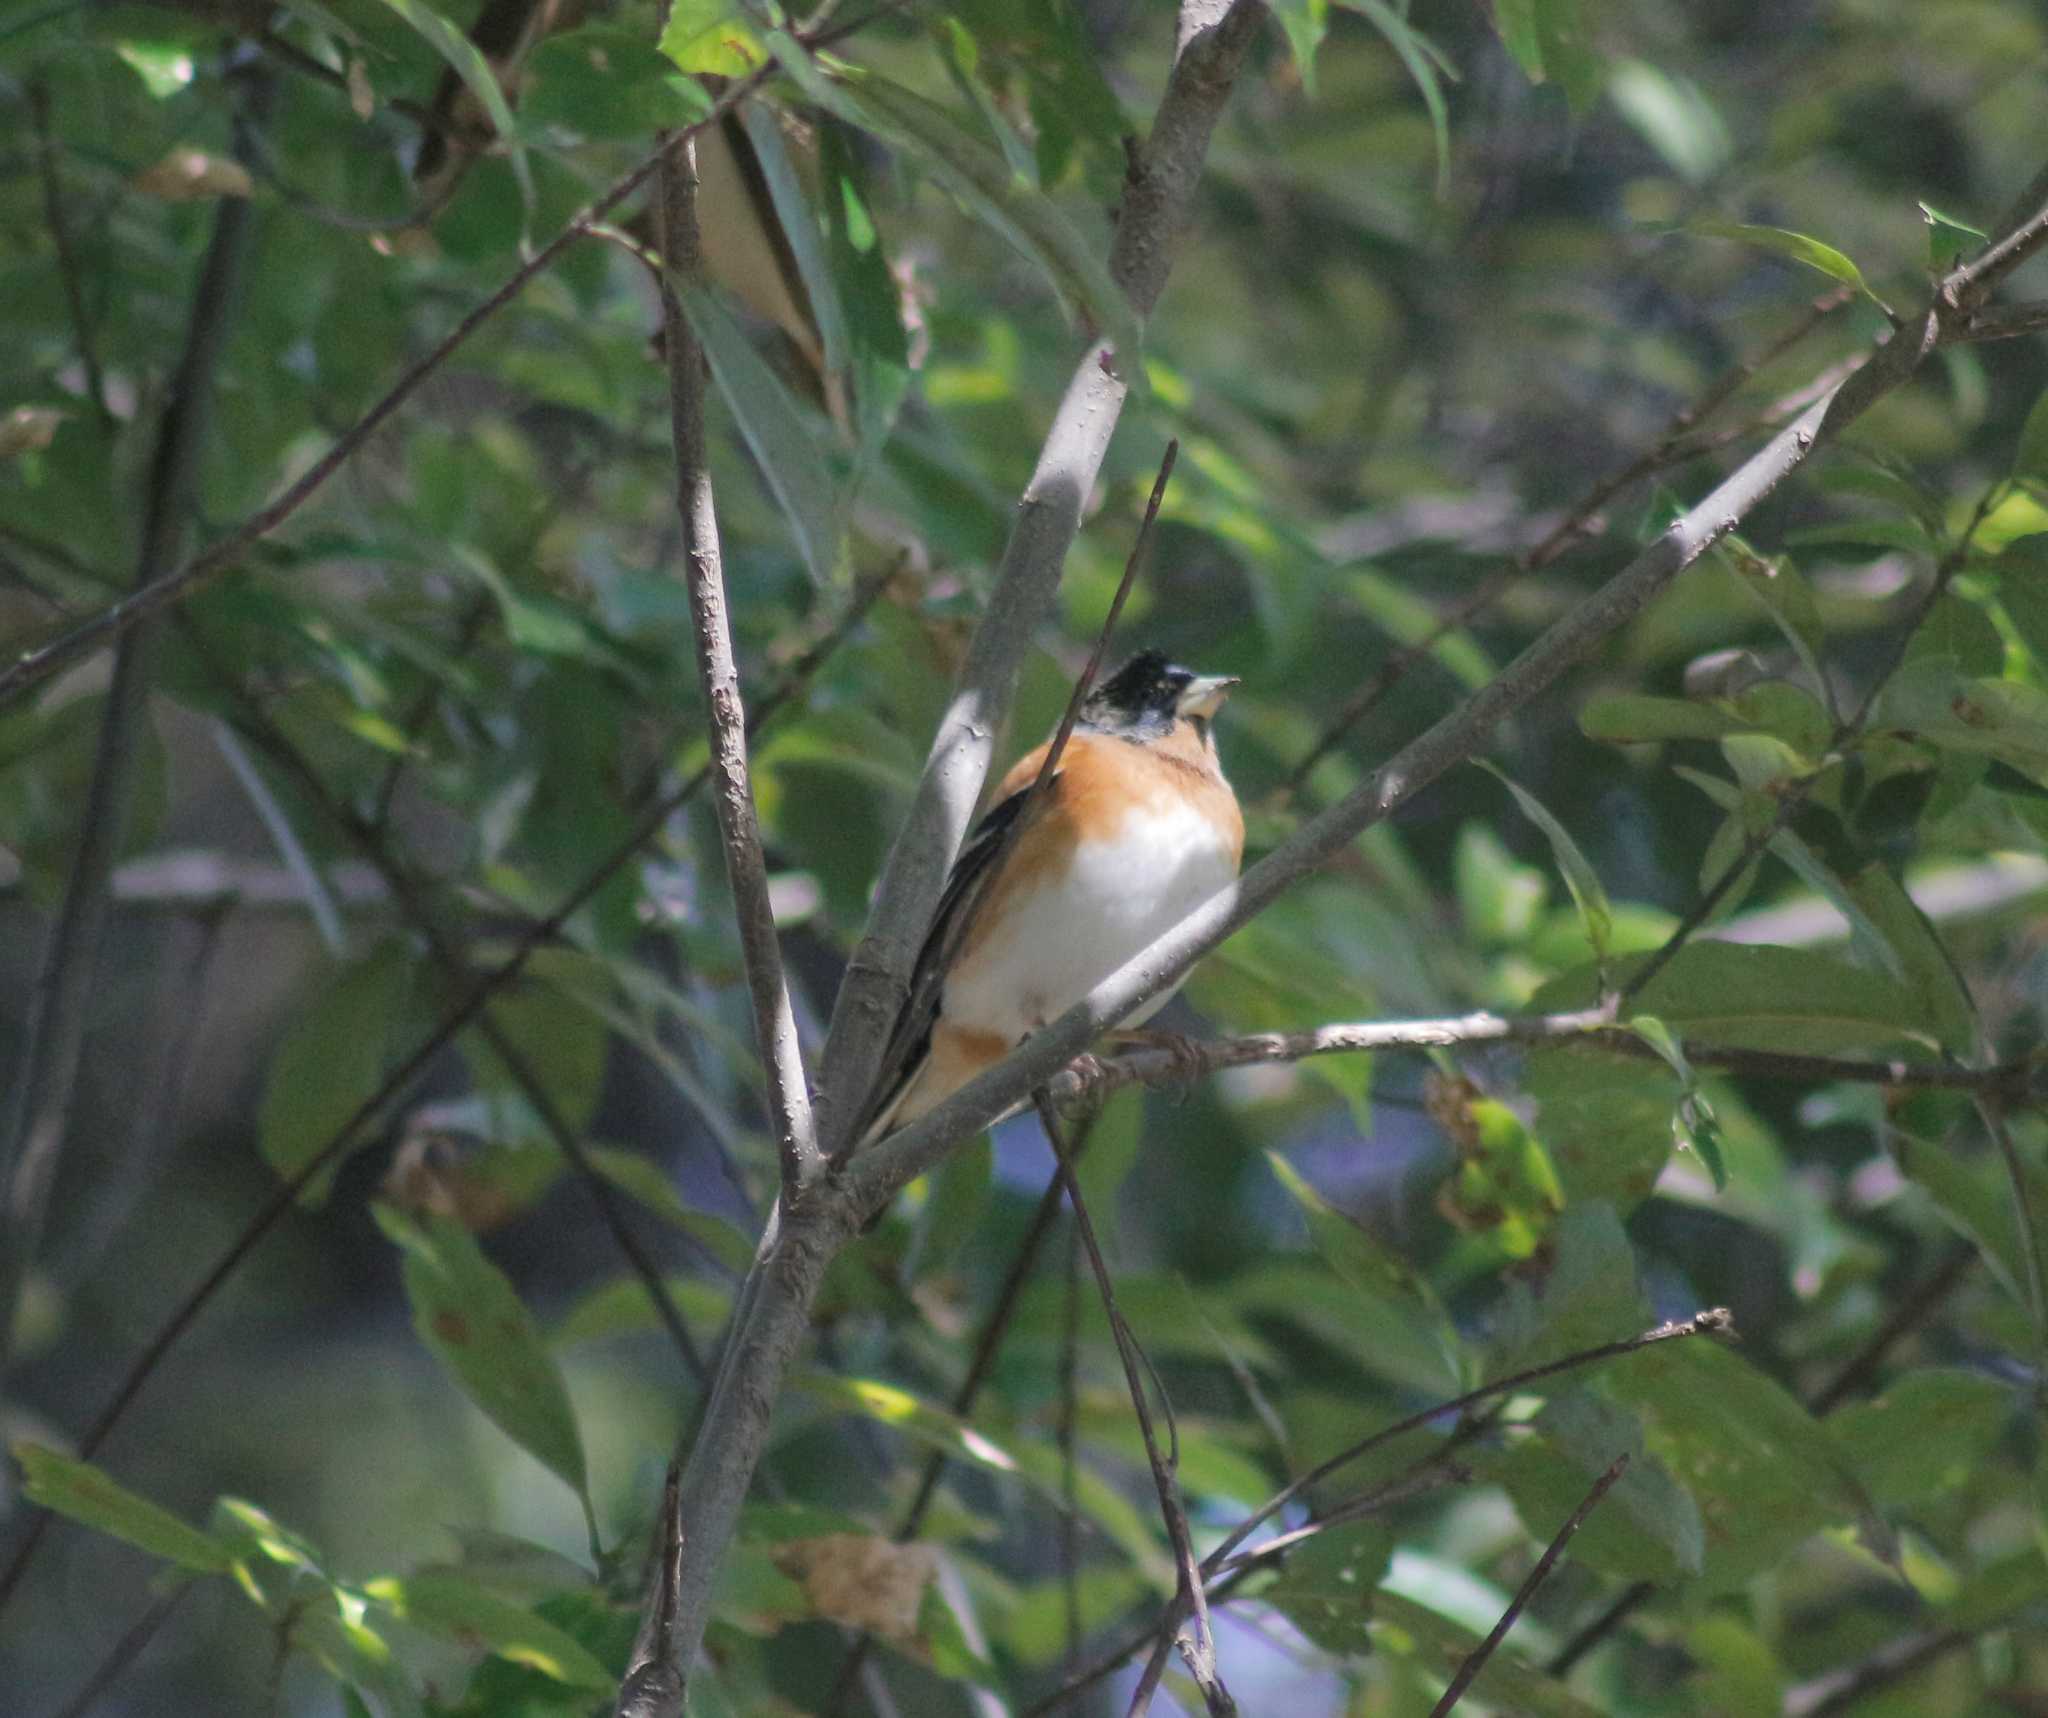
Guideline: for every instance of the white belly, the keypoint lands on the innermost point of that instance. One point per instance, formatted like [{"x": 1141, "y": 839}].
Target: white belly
[{"x": 1059, "y": 941}]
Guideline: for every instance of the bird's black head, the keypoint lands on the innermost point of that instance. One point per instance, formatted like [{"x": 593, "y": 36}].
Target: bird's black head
[{"x": 1145, "y": 697}]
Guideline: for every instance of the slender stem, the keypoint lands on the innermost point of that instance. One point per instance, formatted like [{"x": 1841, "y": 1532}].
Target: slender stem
[
  {"x": 1840, "y": 1690},
  {"x": 1909, "y": 1313},
  {"x": 1201, "y": 1654},
  {"x": 1476, "y": 1662},
  {"x": 739, "y": 828},
  {"x": 125, "y": 1651},
  {"x": 1197, "y": 1058},
  {"x": 37, "y": 1116},
  {"x": 1065, "y": 1435},
  {"x": 1992, "y": 1115},
  {"x": 68, "y": 271}
]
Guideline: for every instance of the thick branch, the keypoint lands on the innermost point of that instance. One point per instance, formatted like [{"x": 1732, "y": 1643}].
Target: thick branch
[
  {"x": 739, "y": 829},
  {"x": 1157, "y": 199},
  {"x": 38, "y": 1113}
]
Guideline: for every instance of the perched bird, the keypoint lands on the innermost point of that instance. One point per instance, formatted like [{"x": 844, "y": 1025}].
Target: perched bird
[{"x": 1136, "y": 829}]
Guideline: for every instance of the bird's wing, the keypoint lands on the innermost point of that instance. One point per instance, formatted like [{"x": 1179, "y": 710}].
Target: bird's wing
[{"x": 971, "y": 873}]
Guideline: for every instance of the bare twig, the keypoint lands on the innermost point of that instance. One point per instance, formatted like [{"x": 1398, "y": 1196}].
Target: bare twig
[
  {"x": 1841, "y": 1689},
  {"x": 1201, "y": 1652},
  {"x": 68, "y": 272},
  {"x": 1992, "y": 1114},
  {"x": 400, "y": 1080},
  {"x": 1476, "y": 1662},
  {"x": 739, "y": 828},
  {"x": 1594, "y": 1026},
  {"x": 1066, "y": 1433},
  {"x": 37, "y": 1115},
  {"x": 1910, "y": 1312},
  {"x": 125, "y": 1651}
]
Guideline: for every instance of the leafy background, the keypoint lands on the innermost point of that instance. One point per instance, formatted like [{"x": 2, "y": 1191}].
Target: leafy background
[{"x": 1454, "y": 264}]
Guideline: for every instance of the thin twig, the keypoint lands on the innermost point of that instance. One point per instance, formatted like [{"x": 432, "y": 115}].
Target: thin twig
[
  {"x": 1065, "y": 1432},
  {"x": 1593, "y": 1027},
  {"x": 1841, "y": 1689},
  {"x": 1992, "y": 1115},
  {"x": 125, "y": 1651},
  {"x": 1201, "y": 1652},
  {"x": 36, "y": 1119},
  {"x": 1909, "y": 1313},
  {"x": 1476, "y": 1661},
  {"x": 68, "y": 272},
  {"x": 739, "y": 827},
  {"x": 400, "y": 1080}
]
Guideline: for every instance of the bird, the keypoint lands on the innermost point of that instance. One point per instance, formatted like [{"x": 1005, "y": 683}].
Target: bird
[{"x": 1136, "y": 829}]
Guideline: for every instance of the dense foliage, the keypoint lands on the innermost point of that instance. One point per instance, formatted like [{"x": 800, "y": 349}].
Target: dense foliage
[{"x": 1478, "y": 299}]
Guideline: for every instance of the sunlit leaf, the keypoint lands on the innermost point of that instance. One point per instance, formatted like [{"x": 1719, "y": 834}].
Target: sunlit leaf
[{"x": 85, "y": 1494}]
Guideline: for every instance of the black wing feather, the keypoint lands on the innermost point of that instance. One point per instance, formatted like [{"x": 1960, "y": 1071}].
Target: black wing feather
[{"x": 912, "y": 1036}]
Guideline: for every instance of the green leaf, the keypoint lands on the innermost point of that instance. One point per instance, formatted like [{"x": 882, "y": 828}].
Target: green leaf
[
  {"x": 445, "y": 1603},
  {"x": 1405, "y": 1629},
  {"x": 799, "y": 223},
  {"x": 1588, "y": 895},
  {"x": 1425, "y": 62},
  {"x": 783, "y": 447},
  {"x": 1392, "y": 1291},
  {"x": 1976, "y": 1198},
  {"x": 1326, "y": 1586},
  {"x": 2004, "y": 719},
  {"x": 1924, "y": 959},
  {"x": 981, "y": 179},
  {"x": 1947, "y": 237},
  {"x": 1514, "y": 21},
  {"x": 2030, "y": 457},
  {"x": 1926, "y": 1434},
  {"x": 711, "y": 36},
  {"x": 605, "y": 82},
  {"x": 1763, "y": 997},
  {"x": 461, "y": 56},
  {"x": 81, "y": 1492},
  {"x": 1605, "y": 1120},
  {"x": 473, "y": 1321},
  {"x": 1585, "y": 1292},
  {"x": 2022, "y": 569},
  {"x": 1647, "y": 1528},
  {"x": 889, "y": 1405},
  {"x": 1630, "y": 716},
  {"x": 1763, "y": 1472},
  {"x": 1304, "y": 23},
  {"x": 331, "y": 1062},
  {"x": 647, "y": 1182},
  {"x": 1500, "y": 900},
  {"x": 1798, "y": 246}
]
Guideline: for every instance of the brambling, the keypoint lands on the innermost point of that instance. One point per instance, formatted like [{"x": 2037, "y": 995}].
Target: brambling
[{"x": 1136, "y": 829}]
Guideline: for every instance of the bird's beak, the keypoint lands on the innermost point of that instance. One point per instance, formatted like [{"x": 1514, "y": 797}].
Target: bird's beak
[{"x": 1205, "y": 694}]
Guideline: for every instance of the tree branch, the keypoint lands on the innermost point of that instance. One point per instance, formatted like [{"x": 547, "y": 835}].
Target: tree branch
[
  {"x": 1476, "y": 1662},
  {"x": 1193, "y": 1060},
  {"x": 38, "y": 1113},
  {"x": 739, "y": 828},
  {"x": 1157, "y": 199}
]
